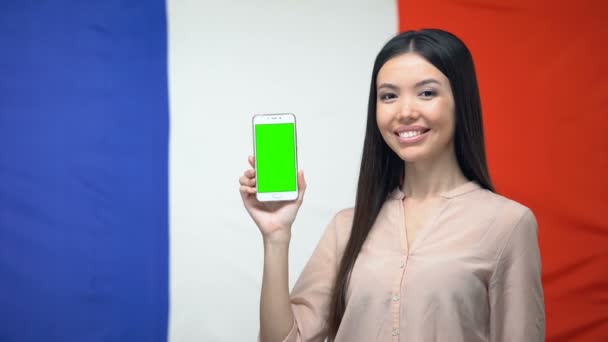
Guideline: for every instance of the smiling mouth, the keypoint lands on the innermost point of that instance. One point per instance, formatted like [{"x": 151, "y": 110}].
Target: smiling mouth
[{"x": 412, "y": 133}]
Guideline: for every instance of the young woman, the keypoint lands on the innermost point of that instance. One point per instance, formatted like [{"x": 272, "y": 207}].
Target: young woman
[{"x": 429, "y": 252}]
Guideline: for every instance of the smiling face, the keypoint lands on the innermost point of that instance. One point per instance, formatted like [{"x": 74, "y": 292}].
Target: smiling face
[{"x": 415, "y": 109}]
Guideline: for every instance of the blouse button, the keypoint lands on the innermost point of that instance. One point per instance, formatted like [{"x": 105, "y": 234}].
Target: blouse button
[
  {"x": 402, "y": 264},
  {"x": 395, "y": 332},
  {"x": 395, "y": 298}
]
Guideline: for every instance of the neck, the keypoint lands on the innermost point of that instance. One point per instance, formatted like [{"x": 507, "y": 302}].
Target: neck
[{"x": 429, "y": 178}]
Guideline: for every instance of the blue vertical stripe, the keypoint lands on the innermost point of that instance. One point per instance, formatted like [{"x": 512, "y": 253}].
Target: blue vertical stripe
[{"x": 83, "y": 171}]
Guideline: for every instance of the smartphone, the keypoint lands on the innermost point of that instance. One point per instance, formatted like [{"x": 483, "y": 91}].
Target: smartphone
[{"x": 276, "y": 161}]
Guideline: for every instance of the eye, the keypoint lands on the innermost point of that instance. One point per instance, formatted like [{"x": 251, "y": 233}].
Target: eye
[
  {"x": 428, "y": 94},
  {"x": 387, "y": 96}
]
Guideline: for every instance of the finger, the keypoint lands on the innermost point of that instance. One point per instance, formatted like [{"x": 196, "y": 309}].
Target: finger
[
  {"x": 246, "y": 181},
  {"x": 251, "y": 160},
  {"x": 249, "y": 173},
  {"x": 247, "y": 190}
]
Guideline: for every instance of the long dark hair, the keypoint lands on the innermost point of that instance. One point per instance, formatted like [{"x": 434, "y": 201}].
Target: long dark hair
[{"x": 382, "y": 170}]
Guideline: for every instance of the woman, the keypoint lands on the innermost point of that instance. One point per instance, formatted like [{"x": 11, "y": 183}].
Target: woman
[{"x": 429, "y": 252}]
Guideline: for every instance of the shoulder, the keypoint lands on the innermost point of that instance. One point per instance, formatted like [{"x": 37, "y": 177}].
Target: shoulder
[
  {"x": 514, "y": 224},
  {"x": 517, "y": 241},
  {"x": 508, "y": 212},
  {"x": 342, "y": 221},
  {"x": 344, "y": 217},
  {"x": 489, "y": 206},
  {"x": 499, "y": 219},
  {"x": 340, "y": 227}
]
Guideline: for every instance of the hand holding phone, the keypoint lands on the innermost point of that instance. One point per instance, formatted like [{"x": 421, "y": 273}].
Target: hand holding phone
[{"x": 269, "y": 198}]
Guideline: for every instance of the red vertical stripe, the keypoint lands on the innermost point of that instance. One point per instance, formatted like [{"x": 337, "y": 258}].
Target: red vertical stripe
[{"x": 544, "y": 85}]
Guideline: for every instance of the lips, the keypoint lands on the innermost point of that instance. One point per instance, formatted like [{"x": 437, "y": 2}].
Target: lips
[{"x": 408, "y": 135}]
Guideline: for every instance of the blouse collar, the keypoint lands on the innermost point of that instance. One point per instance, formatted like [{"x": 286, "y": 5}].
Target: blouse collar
[{"x": 455, "y": 192}]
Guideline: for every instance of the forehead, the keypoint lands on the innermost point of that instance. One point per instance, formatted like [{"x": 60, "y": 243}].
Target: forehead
[{"x": 408, "y": 69}]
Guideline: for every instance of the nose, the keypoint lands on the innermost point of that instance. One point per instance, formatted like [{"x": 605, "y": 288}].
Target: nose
[{"x": 408, "y": 110}]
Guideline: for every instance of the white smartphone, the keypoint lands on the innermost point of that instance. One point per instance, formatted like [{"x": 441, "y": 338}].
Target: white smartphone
[{"x": 276, "y": 157}]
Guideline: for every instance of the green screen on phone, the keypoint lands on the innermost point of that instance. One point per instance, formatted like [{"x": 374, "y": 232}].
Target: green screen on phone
[{"x": 275, "y": 154}]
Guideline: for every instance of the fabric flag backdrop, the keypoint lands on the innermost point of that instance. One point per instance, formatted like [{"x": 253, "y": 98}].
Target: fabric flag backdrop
[
  {"x": 124, "y": 127},
  {"x": 544, "y": 87}
]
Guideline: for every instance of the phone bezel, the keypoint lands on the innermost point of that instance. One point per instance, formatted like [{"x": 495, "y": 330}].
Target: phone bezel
[{"x": 276, "y": 118}]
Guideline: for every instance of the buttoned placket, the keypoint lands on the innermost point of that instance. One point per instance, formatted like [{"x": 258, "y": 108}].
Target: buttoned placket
[
  {"x": 396, "y": 298},
  {"x": 406, "y": 253},
  {"x": 400, "y": 277}
]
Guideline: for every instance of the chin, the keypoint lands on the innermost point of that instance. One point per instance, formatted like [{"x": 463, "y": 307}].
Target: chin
[{"x": 412, "y": 156}]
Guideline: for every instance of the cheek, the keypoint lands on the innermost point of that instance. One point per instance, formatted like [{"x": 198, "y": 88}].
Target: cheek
[
  {"x": 449, "y": 120},
  {"x": 447, "y": 127},
  {"x": 382, "y": 117},
  {"x": 442, "y": 116},
  {"x": 383, "y": 120}
]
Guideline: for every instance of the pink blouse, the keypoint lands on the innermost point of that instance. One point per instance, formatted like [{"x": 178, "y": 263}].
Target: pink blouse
[{"x": 472, "y": 274}]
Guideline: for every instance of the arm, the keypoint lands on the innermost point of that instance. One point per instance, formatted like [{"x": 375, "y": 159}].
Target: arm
[
  {"x": 303, "y": 318},
  {"x": 305, "y": 313},
  {"x": 276, "y": 316},
  {"x": 311, "y": 294},
  {"x": 274, "y": 220},
  {"x": 517, "y": 311}
]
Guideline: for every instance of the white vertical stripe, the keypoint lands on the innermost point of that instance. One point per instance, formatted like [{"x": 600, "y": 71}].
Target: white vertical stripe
[{"x": 227, "y": 60}]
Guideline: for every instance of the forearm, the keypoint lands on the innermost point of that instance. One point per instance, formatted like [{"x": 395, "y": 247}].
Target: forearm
[{"x": 276, "y": 315}]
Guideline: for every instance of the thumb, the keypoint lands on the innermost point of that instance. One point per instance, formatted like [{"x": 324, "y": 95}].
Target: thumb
[{"x": 301, "y": 185}]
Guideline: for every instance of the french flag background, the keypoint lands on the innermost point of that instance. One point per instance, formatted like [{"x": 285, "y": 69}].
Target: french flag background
[{"x": 124, "y": 126}]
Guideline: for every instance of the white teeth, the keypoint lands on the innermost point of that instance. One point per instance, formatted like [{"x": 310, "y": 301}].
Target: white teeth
[{"x": 410, "y": 134}]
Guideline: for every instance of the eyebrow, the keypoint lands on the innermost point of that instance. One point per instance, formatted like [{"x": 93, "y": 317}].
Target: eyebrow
[
  {"x": 389, "y": 86},
  {"x": 419, "y": 84},
  {"x": 427, "y": 81}
]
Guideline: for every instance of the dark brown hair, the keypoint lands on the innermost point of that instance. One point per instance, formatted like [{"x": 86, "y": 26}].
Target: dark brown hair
[{"x": 382, "y": 170}]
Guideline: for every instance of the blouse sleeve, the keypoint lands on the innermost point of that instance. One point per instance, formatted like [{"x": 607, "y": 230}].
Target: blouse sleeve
[
  {"x": 311, "y": 295},
  {"x": 517, "y": 311}
]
